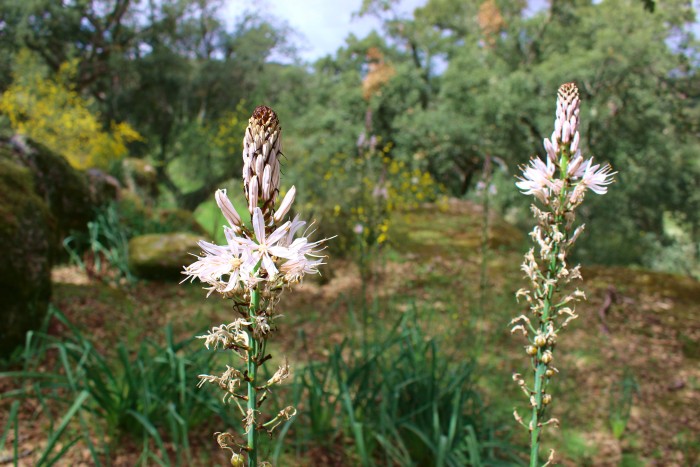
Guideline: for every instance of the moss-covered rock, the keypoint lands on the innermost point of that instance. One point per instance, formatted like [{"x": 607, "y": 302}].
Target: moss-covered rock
[
  {"x": 64, "y": 189},
  {"x": 25, "y": 271},
  {"x": 161, "y": 256}
]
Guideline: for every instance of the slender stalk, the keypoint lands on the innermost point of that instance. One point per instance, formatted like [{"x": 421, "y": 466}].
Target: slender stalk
[
  {"x": 559, "y": 183},
  {"x": 245, "y": 271},
  {"x": 483, "y": 271},
  {"x": 534, "y": 423},
  {"x": 540, "y": 382},
  {"x": 540, "y": 388},
  {"x": 252, "y": 373}
]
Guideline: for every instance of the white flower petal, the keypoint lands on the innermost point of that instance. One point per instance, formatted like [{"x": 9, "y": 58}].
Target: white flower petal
[{"x": 259, "y": 225}]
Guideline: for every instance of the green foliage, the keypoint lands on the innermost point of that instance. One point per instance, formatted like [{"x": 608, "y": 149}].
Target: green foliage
[
  {"x": 46, "y": 109},
  {"x": 106, "y": 396},
  {"x": 621, "y": 399},
  {"x": 400, "y": 401},
  {"x": 138, "y": 219},
  {"x": 368, "y": 189},
  {"x": 501, "y": 69},
  {"x": 349, "y": 174},
  {"x": 208, "y": 148},
  {"x": 577, "y": 447},
  {"x": 677, "y": 250},
  {"x": 165, "y": 67},
  {"x": 104, "y": 249},
  {"x": 446, "y": 87}
]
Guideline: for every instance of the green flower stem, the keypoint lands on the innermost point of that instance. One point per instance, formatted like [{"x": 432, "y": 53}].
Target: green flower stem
[
  {"x": 540, "y": 370},
  {"x": 534, "y": 423},
  {"x": 252, "y": 372},
  {"x": 538, "y": 408}
]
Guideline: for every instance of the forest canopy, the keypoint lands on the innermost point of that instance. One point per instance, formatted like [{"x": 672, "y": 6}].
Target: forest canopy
[{"x": 440, "y": 94}]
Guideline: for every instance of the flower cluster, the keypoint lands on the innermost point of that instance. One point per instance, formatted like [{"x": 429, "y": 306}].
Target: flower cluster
[
  {"x": 559, "y": 182},
  {"x": 565, "y": 166},
  {"x": 253, "y": 268},
  {"x": 256, "y": 258}
]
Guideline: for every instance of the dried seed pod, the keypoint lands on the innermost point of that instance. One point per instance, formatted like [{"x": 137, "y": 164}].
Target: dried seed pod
[
  {"x": 547, "y": 357},
  {"x": 540, "y": 340},
  {"x": 531, "y": 350}
]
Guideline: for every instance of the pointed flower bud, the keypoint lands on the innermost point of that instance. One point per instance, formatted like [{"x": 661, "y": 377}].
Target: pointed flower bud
[
  {"x": 573, "y": 123},
  {"x": 551, "y": 151},
  {"x": 286, "y": 204},
  {"x": 574, "y": 143},
  {"x": 565, "y": 132},
  {"x": 228, "y": 210},
  {"x": 252, "y": 194},
  {"x": 575, "y": 165},
  {"x": 261, "y": 152},
  {"x": 266, "y": 182}
]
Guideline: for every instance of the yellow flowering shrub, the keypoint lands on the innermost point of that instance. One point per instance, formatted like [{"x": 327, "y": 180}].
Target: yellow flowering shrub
[
  {"x": 50, "y": 111},
  {"x": 367, "y": 189},
  {"x": 227, "y": 129}
]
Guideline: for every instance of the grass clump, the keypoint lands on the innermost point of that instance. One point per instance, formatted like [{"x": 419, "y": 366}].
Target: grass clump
[
  {"x": 145, "y": 395},
  {"x": 395, "y": 399}
]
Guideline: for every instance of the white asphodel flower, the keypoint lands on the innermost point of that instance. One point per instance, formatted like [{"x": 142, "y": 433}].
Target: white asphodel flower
[
  {"x": 294, "y": 227},
  {"x": 264, "y": 247},
  {"x": 596, "y": 178},
  {"x": 228, "y": 268},
  {"x": 296, "y": 268},
  {"x": 305, "y": 257},
  {"x": 220, "y": 266},
  {"x": 537, "y": 179}
]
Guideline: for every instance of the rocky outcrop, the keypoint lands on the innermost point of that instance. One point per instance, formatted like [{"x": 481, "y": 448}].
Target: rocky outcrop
[
  {"x": 64, "y": 189},
  {"x": 26, "y": 226},
  {"x": 161, "y": 256}
]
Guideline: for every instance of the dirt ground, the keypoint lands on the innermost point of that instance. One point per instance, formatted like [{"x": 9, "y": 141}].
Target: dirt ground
[{"x": 638, "y": 328}]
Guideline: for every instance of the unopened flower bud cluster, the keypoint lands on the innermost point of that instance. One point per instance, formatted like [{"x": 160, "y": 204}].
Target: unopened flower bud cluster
[{"x": 559, "y": 183}]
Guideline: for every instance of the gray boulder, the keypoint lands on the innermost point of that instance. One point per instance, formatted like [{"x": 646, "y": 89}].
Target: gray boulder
[{"x": 162, "y": 256}]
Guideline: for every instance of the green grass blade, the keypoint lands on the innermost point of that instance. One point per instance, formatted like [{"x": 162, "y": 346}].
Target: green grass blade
[
  {"x": 473, "y": 447},
  {"x": 153, "y": 433},
  {"x": 442, "y": 450},
  {"x": 53, "y": 439},
  {"x": 12, "y": 420},
  {"x": 63, "y": 450}
]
